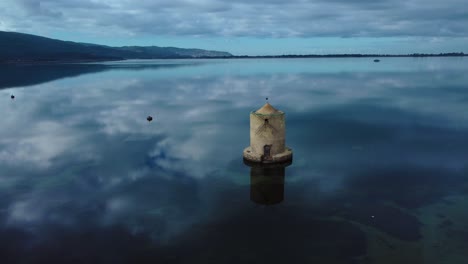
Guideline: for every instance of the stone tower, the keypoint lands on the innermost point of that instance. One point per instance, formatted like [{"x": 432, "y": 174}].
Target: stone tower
[{"x": 267, "y": 136}]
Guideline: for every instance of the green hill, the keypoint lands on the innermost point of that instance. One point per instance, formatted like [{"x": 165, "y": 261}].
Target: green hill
[{"x": 19, "y": 47}]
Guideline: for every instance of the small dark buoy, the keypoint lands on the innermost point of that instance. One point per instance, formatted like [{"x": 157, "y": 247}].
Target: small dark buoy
[
  {"x": 12, "y": 97},
  {"x": 149, "y": 118},
  {"x": 266, "y": 98},
  {"x": 376, "y": 60}
]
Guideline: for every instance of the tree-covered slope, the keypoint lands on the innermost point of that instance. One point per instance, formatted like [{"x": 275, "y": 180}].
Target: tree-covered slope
[{"x": 25, "y": 47}]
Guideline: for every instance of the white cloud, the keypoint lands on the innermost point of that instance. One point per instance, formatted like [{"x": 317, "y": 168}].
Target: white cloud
[
  {"x": 24, "y": 211},
  {"x": 39, "y": 145},
  {"x": 242, "y": 18}
]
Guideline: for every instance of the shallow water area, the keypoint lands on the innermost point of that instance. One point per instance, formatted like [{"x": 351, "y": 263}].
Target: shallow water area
[{"x": 379, "y": 173}]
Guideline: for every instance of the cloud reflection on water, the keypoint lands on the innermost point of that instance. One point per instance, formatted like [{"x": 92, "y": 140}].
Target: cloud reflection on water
[{"x": 79, "y": 152}]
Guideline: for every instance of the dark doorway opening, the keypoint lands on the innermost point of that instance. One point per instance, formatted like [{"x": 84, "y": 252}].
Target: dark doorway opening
[{"x": 266, "y": 152}]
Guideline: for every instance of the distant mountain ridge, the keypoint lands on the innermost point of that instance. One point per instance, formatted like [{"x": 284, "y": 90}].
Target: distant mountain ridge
[{"x": 20, "y": 47}]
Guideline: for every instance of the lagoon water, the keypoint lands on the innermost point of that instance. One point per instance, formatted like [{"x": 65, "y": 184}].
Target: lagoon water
[{"x": 380, "y": 169}]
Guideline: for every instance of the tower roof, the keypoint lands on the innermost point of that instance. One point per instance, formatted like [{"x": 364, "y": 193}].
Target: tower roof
[{"x": 267, "y": 109}]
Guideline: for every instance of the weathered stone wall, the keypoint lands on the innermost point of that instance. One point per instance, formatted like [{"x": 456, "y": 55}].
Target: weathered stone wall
[{"x": 271, "y": 132}]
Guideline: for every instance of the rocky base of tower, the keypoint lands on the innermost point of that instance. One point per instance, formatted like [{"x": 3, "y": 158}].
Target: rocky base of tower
[{"x": 259, "y": 158}]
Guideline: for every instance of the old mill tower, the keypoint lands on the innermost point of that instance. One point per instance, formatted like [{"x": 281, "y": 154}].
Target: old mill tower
[{"x": 267, "y": 136}]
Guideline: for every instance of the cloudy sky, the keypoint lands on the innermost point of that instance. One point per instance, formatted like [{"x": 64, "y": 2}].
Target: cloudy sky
[{"x": 250, "y": 26}]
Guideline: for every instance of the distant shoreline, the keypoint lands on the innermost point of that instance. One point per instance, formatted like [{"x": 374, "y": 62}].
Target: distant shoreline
[
  {"x": 65, "y": 61},
  {"x": 71, "y": 61},
  {"x": 26, "y": 49},
  {"x": 416, "y": 55}
]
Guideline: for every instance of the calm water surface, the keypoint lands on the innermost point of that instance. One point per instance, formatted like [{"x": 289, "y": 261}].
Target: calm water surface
[{"x": 379, "y": 173}]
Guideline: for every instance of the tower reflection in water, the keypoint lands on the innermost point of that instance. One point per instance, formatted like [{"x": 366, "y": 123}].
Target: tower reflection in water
[{"x": 267, "y": 182}]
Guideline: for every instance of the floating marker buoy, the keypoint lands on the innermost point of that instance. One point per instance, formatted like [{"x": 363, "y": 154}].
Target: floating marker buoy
[
  {"x": 149, "y": 118},
  {"x": 12, "y": 97},
  {"x": 376, "y": 60}
]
